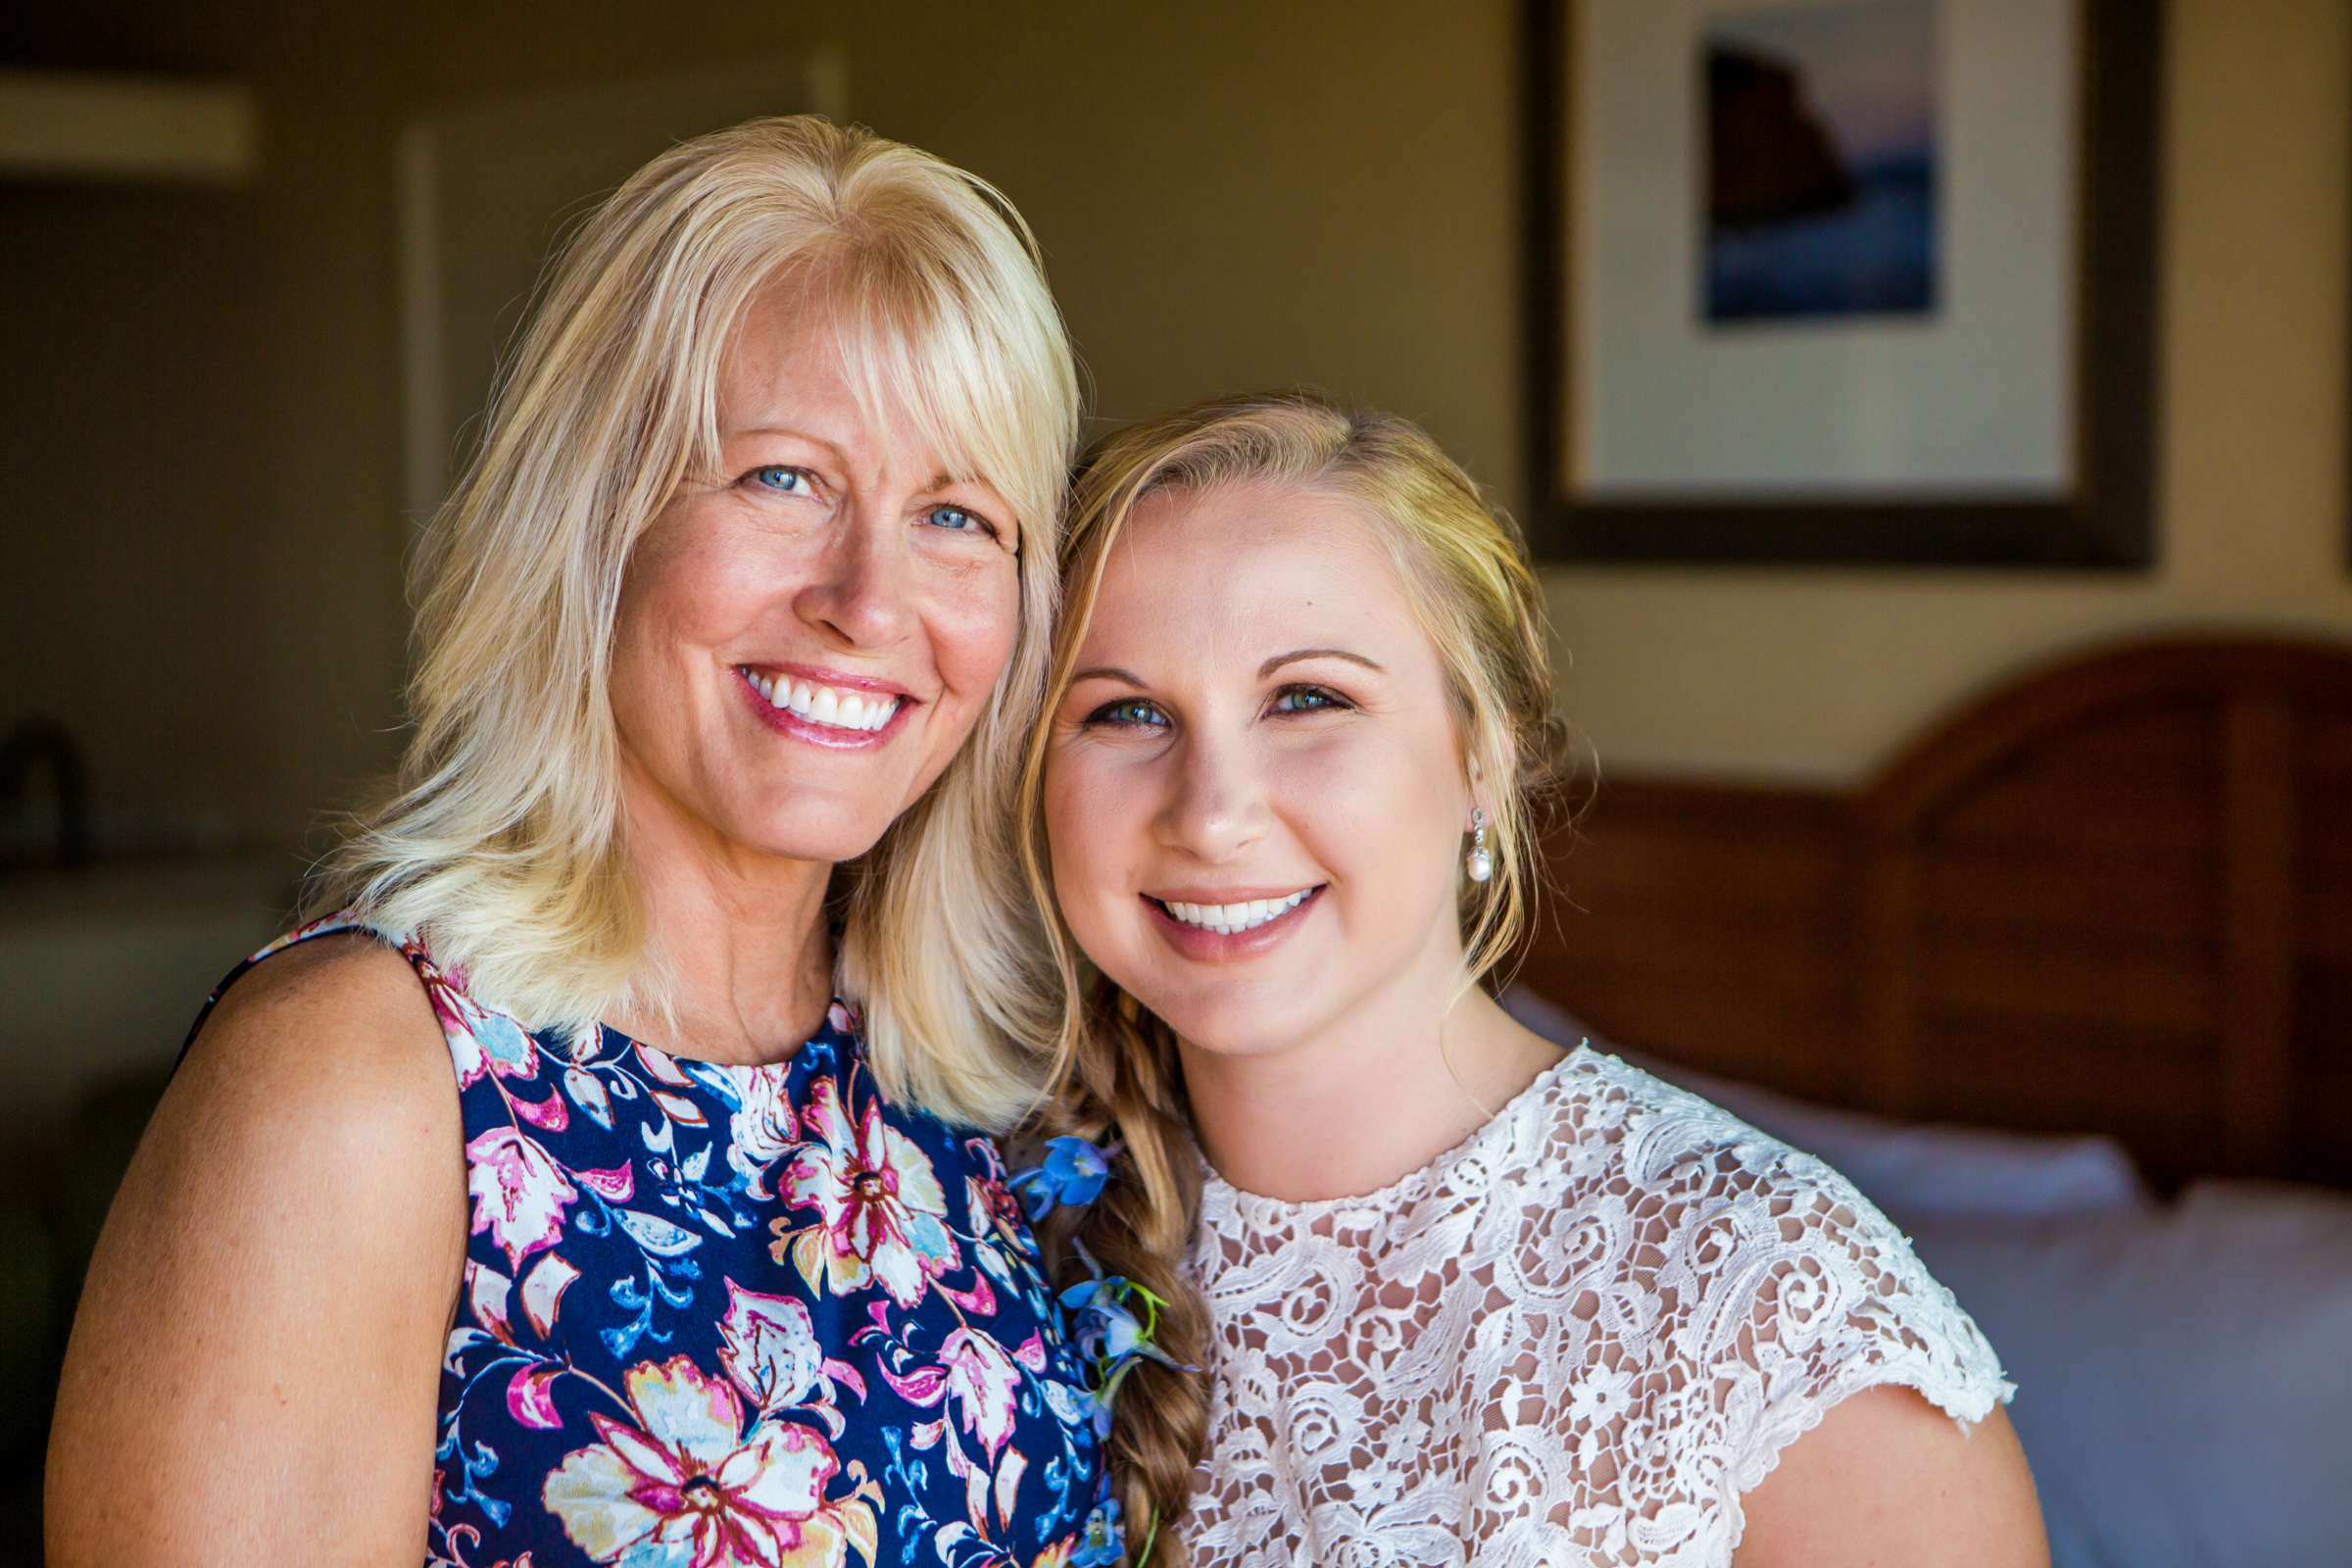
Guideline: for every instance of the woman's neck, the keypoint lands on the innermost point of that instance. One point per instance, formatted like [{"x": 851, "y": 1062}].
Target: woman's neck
[
  {"x": 1414, "y": 1067},
  {"x": 739, "y": 936}
]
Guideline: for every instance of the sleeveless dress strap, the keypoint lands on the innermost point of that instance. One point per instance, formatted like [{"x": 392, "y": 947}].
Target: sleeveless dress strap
[{"x": 324, "y": 926}]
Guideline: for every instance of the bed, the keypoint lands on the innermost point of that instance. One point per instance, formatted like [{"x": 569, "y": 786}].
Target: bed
[{"x": 2065, "y": 988}]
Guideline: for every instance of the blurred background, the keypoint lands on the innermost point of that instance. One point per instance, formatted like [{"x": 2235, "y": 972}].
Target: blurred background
[{"x": 243, "y": 344}]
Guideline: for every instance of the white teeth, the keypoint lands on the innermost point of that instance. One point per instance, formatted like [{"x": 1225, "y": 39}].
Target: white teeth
[
  {"x": 1228, "y": 918},
  {"x": 825, "y": 704}
]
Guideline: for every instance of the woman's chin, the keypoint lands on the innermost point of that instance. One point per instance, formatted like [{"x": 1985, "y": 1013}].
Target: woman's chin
[
  {"x": 1245, "y": 1021},
  {"x": 804, "y": 834}
]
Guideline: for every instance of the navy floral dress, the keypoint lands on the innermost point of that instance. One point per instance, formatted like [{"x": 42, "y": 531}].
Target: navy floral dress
[{"x": 719, "y": 1316}]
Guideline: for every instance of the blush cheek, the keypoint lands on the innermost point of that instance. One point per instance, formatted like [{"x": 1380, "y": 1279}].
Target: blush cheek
[
  {"x": 649, "y": 670},
  {"x": 1368, "y": 812},
  {"x": 695, "y": 580},
  {"x": 971, "y": 625},
  {"x": 1090, "y": 837}
]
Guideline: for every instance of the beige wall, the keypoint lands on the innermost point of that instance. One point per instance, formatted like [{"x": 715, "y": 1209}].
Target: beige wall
[{"x": 200, "y": 424}]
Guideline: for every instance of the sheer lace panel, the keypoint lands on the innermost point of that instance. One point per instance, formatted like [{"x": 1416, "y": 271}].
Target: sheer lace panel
[{"x": 1577, "y": 1338}]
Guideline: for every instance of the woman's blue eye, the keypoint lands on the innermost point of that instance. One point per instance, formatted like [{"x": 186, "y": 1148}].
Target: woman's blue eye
[
  {"x": 783, "y": 480},
  {"x": 1128, "y": 710},
  {"x": 1305, "y": 699},
  {"x": 960, "y": 520}
]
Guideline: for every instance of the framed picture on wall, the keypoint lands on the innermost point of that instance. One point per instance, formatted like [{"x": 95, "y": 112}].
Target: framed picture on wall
[{"x": 1841, "y": 281}]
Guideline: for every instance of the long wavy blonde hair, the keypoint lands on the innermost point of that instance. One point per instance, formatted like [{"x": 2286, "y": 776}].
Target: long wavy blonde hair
[
  {"x": 1117, "y": 1078},
  {"x": 500, "y": 836}
]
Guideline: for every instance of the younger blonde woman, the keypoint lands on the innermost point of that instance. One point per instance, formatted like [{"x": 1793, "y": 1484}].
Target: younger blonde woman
[
  {"x": 1456, "y": 1297},
  {"x": 604, "y": 1178}
]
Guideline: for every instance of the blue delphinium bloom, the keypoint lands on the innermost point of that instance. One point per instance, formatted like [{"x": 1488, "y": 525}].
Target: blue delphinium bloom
[
  {"x": 1107, "y": 1332},
  {"x": 1103, "y": 1546},
  {"x": 1073, "y": 1173}
]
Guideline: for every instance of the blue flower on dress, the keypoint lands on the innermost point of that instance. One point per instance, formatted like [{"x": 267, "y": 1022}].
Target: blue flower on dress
[{"x": 1073, "y": 1173}]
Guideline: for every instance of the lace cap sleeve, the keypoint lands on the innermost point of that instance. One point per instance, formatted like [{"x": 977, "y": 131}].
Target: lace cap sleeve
[
  {"x": 1579, "y": 1337},
  {"x": 1807, "y": 1294}
]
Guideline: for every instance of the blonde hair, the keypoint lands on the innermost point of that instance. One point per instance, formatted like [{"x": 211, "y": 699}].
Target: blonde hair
[
  {"x": 1117, "y": 1076},
  {"x": 500, "y": 836}
]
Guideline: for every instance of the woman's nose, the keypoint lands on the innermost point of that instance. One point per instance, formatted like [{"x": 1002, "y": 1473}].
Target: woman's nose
[
  {"x": 862, "y": 591},
  {"x": 1217, "y": 804}
]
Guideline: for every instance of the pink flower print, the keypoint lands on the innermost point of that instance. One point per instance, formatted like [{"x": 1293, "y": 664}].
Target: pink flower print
[
  {"x": 486, "y": 1295},
  {"x": 685, "y": 1488},
  {"x": 763, "y": 1129},
  {"x": 881, "y": 1205},
  {"x": 519, "y": 1194},
  {"x": 478, "y": 1038},
  {"x": 530, "y": 1398},
  {"x": 543, "y": 1293},
  {"x": 983, "y": 1382},
  {"x": 994, "y": 1209},
  {"x": 771, "y": 1349}
]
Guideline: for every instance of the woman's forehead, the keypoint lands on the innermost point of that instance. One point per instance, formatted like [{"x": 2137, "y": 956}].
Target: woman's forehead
[
  {"x": 1246, "y": 557},
  {"x": 802, "y": 360}
]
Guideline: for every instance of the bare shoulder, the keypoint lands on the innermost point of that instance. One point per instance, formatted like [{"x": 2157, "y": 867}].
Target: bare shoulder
[
  {"x": 1887, "y": 1477},
  {"x": 347, "y": 988},
  {"x": 281, "y": 1258},
  {"x": 325, "y": 1056},
  {"x": 326, "y": 1061}
]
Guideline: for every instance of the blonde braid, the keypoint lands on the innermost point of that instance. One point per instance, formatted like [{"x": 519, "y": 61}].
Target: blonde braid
[{"x": 1124, "y": 1087}]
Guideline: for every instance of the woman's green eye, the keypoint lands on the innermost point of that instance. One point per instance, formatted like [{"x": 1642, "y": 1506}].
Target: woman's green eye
[
  {"x": 1305, "y": 699},
  {"x": 1130, "y": 711}
]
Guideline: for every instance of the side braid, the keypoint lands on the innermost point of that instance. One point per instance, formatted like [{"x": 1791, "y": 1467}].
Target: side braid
[{"x": 1123, "y": 1086}]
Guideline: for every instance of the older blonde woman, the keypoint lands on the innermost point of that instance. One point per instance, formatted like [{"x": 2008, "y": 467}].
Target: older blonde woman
[{"x": 706, "y": 1257}]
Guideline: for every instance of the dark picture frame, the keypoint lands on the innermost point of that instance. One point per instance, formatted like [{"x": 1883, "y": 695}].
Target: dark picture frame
[{"x": 2105, "y": 518}]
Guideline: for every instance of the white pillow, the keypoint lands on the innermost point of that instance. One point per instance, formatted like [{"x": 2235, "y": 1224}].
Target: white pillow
[
  {"x": 1913, "y": 1170},
  {"x": 2185, "y": 1376}
]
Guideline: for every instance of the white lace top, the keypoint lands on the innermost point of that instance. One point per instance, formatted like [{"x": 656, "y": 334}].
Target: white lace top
[{"x": 1579, "y": 1337}]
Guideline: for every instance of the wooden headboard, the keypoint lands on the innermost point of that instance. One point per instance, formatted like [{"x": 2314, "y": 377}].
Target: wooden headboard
[{"x": 2113, "y": 895}]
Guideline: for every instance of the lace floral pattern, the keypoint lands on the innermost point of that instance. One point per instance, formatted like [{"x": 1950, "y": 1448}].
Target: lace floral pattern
[{"x": 1577, "y": 1338}]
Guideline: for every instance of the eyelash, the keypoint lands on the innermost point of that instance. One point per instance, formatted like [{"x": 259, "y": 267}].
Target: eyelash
[
  {"x": 756, "y": 477},
  {"x": 807, "y": 483},
  {"x": 1326, "y": 700},
  {"x": 986, "y": 526}
]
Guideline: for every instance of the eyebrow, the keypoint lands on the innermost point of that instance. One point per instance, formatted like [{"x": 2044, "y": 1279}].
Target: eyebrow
[
  {"x": 831, "y": 447},
  {"x": 1108, "y": 672},
  {"x": 1292, "y": 657},
  {"x": 1115, "y": 672}
]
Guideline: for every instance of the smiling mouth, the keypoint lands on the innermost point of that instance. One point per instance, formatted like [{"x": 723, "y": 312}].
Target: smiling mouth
[
  {"x": 834, "y": 708},
  {"x": 1231, "y": 919}
]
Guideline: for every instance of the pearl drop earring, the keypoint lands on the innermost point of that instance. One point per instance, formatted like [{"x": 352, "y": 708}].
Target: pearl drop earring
[{"x": 1478, "y": 862}]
